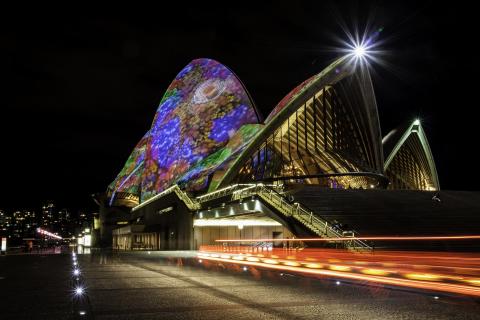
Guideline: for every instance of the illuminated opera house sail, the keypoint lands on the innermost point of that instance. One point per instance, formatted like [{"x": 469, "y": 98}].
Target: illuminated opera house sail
[
  {"x": 204, "y": 118},
  {"x": 207, "y": 134},
  {"x": 409, "y": 161}
]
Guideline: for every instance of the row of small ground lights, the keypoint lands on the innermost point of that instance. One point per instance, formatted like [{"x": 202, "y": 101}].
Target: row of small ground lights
[{"x": 80, "y": 302}]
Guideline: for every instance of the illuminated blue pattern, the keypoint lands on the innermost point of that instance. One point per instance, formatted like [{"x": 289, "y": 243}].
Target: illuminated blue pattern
[
  {"x": 202, "y": 109},
  {"x": 224, "y": 128}
]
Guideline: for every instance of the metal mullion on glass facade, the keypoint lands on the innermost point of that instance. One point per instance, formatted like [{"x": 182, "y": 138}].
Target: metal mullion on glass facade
[
  {"x": 314, "y": 106},
  {"x": 334, "y": 119},
  {"x": 274, "y": 155},
  {"x": 289, "y": 144},
  {"x": 296, "y": 132},
  {"x": 325, "y": 146}
]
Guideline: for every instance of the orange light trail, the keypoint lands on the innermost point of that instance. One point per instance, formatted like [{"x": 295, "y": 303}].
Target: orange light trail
[
  {"x": 417, "y": 284},
  {"x": 457, "y": 273},
  {"x": 379, "y": 238}
]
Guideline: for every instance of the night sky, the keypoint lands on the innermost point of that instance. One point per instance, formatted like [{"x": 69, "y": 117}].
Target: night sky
[{"x": 80, "y": 90}]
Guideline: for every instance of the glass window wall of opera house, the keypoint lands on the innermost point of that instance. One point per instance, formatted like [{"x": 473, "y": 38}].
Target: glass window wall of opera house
[{"x": 211, "y": 167}]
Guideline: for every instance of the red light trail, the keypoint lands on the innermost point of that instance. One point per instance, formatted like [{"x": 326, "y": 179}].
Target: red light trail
[{"x": 379, "y": 238}]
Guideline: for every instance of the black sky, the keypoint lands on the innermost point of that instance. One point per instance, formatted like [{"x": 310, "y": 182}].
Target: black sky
[{"x": 81, "y": 89}]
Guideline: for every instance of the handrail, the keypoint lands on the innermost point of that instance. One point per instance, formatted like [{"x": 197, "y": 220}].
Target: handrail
[
  {"x": 191, "y": 204},
  {"x": 228, "y": 190},
  {"x": 219, "y": 193}
]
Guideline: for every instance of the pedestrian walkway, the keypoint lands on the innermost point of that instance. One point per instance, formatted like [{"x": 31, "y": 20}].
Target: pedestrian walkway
[
  {"x": 173, "y": 285},
  {"x": 34, "y": 286}
]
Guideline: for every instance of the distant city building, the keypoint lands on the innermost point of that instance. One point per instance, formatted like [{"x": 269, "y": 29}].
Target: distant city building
[
  {"x": 64, "y": 223},
  {"x": 5, "y": 222},
  {"x": 20, "y": 224},
  {"x": 48, "y": 215}
]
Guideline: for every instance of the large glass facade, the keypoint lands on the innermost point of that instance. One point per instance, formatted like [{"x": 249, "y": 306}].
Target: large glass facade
[
  {"x": 410, "y": 164},
  {"x": 325, "y": 132}
]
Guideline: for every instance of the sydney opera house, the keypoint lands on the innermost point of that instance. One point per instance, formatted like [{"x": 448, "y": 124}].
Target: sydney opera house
[{"x": 211, "y": 167}]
